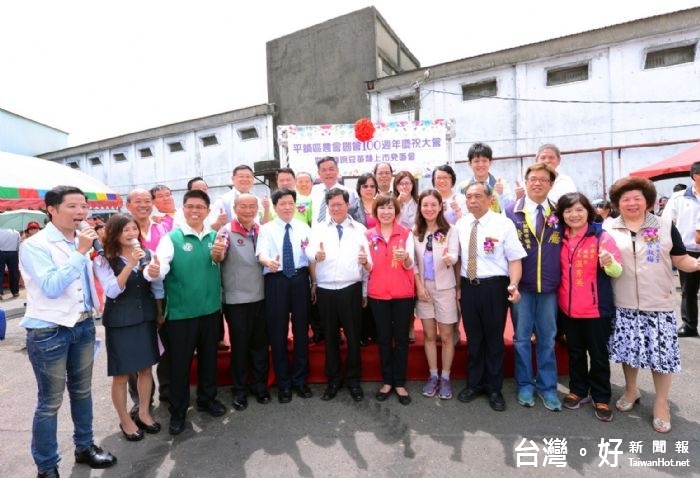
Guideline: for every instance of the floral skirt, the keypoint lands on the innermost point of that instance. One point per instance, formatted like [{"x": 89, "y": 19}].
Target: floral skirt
[{"x": 643, "y": 339}]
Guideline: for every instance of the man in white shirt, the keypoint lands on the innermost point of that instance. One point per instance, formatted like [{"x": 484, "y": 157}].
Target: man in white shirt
[
  {"x": 550, "y": 155},
  {"x": 684, "y": 209},
  {"x": 341, "y": 252},
  {"x": 328, "y": 173},
  {"x": 491, "y": 269},
  {"x": 59, "y": 320},
  {"x": 222, "y": 209},
  {"x": 281, "y": 251},
  {"x": 384, "y": 175}
]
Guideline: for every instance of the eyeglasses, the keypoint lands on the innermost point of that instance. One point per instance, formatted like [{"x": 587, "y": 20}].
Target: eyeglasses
[
  {"x": 190, "y": 207},
  {"x": 539, "y": 180},
  {"x": 368, "y": 186},
  {"x": 429, "y": 243}
]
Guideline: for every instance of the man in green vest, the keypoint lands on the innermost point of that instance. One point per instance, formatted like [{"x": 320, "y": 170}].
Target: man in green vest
[{"x": 193, "y": 291}]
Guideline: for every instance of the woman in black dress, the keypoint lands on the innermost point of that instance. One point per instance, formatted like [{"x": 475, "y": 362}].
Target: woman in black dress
[{"x": 132, "y": 310}]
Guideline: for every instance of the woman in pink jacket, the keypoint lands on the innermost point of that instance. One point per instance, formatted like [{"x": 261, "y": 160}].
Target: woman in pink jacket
[
  {"x": 589, "y": 257},
  {"x": 390, "y": 289}
]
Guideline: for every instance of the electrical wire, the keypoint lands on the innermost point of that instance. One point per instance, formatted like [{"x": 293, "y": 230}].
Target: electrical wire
[{"x": 537, "y": 100}]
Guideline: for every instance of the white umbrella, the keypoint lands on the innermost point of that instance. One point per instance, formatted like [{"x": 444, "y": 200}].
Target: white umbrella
[
  {"x": 19, "y": 219},
  {"x": 24, "y": 181}
]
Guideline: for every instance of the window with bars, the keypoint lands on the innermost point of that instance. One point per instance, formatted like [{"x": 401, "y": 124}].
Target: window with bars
[
  {"x": 481, "y": 89},
  {"x": 403, "y": 104},
  {"x": 669, "y": 57},
  {"x": 569, "y": 74}
]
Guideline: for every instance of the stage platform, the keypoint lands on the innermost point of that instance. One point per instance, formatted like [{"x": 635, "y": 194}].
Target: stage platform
[{"x": 371, "y": 370}]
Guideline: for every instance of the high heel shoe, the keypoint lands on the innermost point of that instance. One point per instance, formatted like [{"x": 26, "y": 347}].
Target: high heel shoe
[
  {"x": 625, "y": 406},
  {"x": 138, "y": 436},
  {"x": 154, "y": 428},
  {"x": 661, "y": 425}
]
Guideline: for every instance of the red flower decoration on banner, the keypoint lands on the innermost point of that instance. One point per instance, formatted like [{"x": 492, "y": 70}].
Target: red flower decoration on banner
[{"x": 364, "y": 129}]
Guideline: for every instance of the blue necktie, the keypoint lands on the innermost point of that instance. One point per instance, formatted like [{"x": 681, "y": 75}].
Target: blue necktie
[
  {"x": 287, "y": 253},
  {"x": 539, "y": 220},
  {"x": 340, "y": 231}
]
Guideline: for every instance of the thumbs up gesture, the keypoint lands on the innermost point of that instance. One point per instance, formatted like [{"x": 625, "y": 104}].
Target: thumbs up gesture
[
  {"x": 218, "y": 249},
  {"x": 519, "y": 190},
  {"x": 320, "y": 254},
  {"x": 362, "y": 256},
  {"x": 605, "y": 258},
  {"x": 153, "y": 269},
  {"x": 274, "y": 264},
  {"x": 446, "y": 258},
  {"x": 498, "y": 187}
]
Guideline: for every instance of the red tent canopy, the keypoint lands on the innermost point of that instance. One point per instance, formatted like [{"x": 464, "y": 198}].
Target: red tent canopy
[{"x": 673, "y": 167}]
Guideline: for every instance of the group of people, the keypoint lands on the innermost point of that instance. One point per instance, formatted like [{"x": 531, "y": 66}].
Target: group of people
[{"x": 319, "y": 255}]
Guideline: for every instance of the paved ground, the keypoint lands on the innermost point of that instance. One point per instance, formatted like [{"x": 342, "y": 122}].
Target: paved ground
[{"x": 343, "y": 438}]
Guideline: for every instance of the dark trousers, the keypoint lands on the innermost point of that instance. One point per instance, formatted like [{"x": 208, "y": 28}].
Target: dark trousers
[
  {"x": 484, "y": 313},
  {"x": 315, "y": 321},
  {"x": 286, "y": 296},
  {"x": 393, "y": 318},
  {"x": 163, "y": 368},
  {"x": 246, "y": 329},
  {"x": 589, "y": 338},
  {"x": 368, "y": 327},
  {"x": 690, "y": 282},
  {"x": 11, "y": 260},
  {"x": 184, "y": 336},
  {"x": 342, "y": 308}
]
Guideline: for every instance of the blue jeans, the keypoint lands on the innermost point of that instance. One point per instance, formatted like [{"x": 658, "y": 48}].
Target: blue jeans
[
  {"x": 61, "y": 355},
  {"x": 538, "y": 313}
]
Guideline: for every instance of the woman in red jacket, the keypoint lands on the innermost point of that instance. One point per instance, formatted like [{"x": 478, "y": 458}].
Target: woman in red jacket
[
  {"x": 589, "y": 257},
  {"x": 390, "y": 289}
]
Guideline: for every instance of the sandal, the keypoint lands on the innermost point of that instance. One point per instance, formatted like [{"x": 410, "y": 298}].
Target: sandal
[
  {"x": 625, "y": 406},
  {"x": 661, "y": 425}
]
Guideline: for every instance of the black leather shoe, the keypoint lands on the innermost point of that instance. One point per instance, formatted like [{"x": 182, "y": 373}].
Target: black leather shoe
[
  {"x": 685, "y": 331},
  {"x": 263, "y": 398},
  {"x": 138, "y": 436},
  {"x": 151, "y": 429},
  {"x": 404, "y": 399},
  {"x": 382, "y": 396},
  {"x": 177, "y": 425},
  {"x": 96, "y": 457},
  {"x": 497, "y": 402},
  {"x": 214, "y": 408},
  {"x": 48, "y": 474},
  {"x": 284, "y": 395},
  {"x": 304, "y": 391},
  {"x": 467, "y": 395},
  {"x": 330, "y": 392},
  {"x": 356, "y": 393},
  {"x": 240, "y": 402}
]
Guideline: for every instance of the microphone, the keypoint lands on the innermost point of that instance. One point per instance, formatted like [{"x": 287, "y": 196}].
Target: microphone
[
  {"x": 143, "y": 262},
  {"x": 96, "y": 244}
]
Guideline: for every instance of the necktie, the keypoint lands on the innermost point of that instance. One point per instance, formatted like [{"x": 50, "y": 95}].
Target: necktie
[
  {"x": 340, "y": 231},
  {"x": 539, "y": 220},
  {"x": 324, "y": 208},
  {"x": 287, "y": 253},
  {"x": 471, "y": 259}
]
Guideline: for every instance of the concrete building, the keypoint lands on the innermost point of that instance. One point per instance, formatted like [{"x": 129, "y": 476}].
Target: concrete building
[
  {"x": 586, "y": 91},
  {"x": 22, "y": 135},
  {"x": 318, "y": 75},
  {"x": 209, "y": 147}
]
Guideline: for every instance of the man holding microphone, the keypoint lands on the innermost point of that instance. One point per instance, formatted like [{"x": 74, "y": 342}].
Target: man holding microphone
[{"x": 61, "y": 297}]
